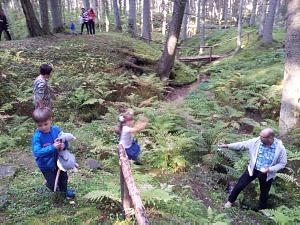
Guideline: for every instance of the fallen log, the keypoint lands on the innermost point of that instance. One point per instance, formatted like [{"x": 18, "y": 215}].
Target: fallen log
[{"x": 129, "y": 192}]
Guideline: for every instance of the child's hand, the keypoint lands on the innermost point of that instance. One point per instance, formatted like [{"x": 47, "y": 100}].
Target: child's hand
[
  {"x": 57, "y": 144},
  {"x": 62, "y": 146}
]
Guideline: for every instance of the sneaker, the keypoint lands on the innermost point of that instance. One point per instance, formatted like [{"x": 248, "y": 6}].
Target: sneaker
[
  {"x": 228, "y": 204},
  {"x": 70, "y": 193},
  {"x": 138, "y": 162}
]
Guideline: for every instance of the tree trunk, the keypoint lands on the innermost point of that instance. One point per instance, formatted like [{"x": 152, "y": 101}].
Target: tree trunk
[
  {"x": 146, "y": 33},
  {"x": 57, "y": 23},
  {"x": 8, "y": 18},
  {"x": 240, "y": 25},
  {"x": 268, "y": 28},
  {"x": 225, "y": 12},
  {"x": 34, "y": 28},
  {"x": 262, "y": 17},
  {"x": 129, "y": 185},
  {"x": 253, "y": 13},
  {"x": 86, "y": 4},
  {"x": 132, "y": 18},
  {"x": 118, "y": 25},
  {"x": 290, "y": 104},
  {"x": 44, "y": 16},
  {"x": 105, "y": 14},
  {"x": 185, "y": 21},
  {"x": 235, "y": 7},
  {"x": 202, "y": 25},
  {"x": 125, "y": 8},
  {"x": 164, "y": 11},
  {"x": 166, "y": 61},
  {"x": 198, "y": 16}
]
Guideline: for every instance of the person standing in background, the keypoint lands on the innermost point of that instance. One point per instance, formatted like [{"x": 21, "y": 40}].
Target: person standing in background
[
  {"x": 85, "y": 20},
  {"x": 92, "y": 17}
]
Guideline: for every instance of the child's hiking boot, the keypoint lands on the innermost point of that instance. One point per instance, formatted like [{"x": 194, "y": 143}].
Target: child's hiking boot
[{"x": 70, "y": 193}]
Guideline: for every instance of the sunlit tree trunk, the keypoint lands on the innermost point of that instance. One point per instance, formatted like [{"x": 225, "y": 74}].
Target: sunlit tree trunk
[
  {"x": 185, "y": 21},
  {"x": 132, "y": 18},
  {"x": 198, "y": 16},
  {"x": 34, "y": 28},
  {"x": 105, "y": 14},
  {"x": 166, "y": 61},
  {"x": 146, "y": 32},
  {"x": 164, "y": 11},
  {"x": 202, "y": 25},
  {"x": 125, "y": 8},
  {"x": 290, "y": 104},
  {"x": 253, "y": 13},
  {"x": 268, "y": 27},
  {"x": 262, "y": 17},
  {"x": 240, "y": 24},
  {"x": 118, "y": 25}
]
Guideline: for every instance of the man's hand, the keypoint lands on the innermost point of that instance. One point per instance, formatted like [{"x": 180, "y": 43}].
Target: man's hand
[
  {"x": 223, "y": 146},
  {"x": 264, "y": 169}
]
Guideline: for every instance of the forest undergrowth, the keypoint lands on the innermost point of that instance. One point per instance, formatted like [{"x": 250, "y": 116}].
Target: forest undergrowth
[{"x": 185, "y": 177}]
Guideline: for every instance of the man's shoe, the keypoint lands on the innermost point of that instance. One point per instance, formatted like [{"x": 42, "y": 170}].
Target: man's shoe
[
  {"x": 138, "y": 162},
  {"x": 227, "y": 205},
  {"x": 70, "y": 193}
]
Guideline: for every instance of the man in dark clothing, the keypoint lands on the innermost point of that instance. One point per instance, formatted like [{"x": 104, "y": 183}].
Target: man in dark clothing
[{"x": 4, "y": 25}]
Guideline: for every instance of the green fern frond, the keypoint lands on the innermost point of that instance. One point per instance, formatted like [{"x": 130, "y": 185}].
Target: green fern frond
[
  {"x": 288, "y": 178},
  {"x": 100, "y": 196}
]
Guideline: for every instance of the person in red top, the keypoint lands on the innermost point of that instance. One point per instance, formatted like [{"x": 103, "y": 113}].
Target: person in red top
[{"x": 92, "y": 16}]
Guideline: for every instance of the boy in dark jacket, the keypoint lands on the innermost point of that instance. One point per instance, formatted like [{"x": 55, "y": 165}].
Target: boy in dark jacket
[
  {"x": 4, "y": 25},
  {"x": 45, "y": 148}
]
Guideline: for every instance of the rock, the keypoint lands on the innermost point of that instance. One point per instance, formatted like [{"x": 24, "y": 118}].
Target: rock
[
  {"x": 3, "y": 196},
  {"x": 6, "y": 171},
  {"x": 93, "y": 164}
]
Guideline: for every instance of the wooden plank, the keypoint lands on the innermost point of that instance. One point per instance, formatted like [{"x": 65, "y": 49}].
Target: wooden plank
[
  {"x": 139, "y": 209},
  {"x": 200, "y": 58}
]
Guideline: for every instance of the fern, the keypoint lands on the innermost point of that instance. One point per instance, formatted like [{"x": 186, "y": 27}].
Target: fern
[
  {"x": 100, "y": 196},
  {"x": 288, "y": 178},
  {"x": 283, "y": 215}
]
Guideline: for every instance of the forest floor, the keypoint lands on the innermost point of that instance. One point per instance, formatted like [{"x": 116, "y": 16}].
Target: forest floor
[{"x": 182, "y": 179}]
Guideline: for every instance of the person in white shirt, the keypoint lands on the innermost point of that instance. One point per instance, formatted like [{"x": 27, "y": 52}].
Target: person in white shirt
[
  {"x": 267, "y": 156},
  {"x": 126, "y": 130}
]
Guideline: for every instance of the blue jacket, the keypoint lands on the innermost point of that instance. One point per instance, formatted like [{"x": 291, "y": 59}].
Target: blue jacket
[
  {"x": 43, "y": 149},
  {"x": 72, "y": 26}
]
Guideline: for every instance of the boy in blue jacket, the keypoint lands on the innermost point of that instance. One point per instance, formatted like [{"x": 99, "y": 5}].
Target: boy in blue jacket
[{"x": 45, "y": 148}]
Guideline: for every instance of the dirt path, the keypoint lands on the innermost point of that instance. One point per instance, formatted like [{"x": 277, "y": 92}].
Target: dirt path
[{"x": 178, "y": 94}]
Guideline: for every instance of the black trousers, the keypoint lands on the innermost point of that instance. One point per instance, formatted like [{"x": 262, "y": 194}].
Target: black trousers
[
  {"x": 92, "y": 26},
  {"x": 50, "y": 176},
  {"x": 246, "y": 179},
  {"x": 7, "y": 33},
  {"x": 87, "y": 27}
]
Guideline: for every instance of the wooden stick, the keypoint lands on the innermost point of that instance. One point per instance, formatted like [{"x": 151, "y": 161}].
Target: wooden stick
[
  {"x": 139, "y": 209},
  {"x": 56, "y": 180}
]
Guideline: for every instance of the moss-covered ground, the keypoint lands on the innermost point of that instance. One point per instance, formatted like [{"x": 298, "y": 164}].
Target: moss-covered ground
[{"x": 184, "y": 178}]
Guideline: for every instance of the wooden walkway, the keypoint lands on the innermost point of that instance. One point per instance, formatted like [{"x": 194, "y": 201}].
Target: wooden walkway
[{"x": 200, "y": 58}]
